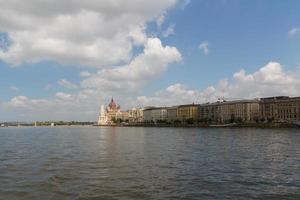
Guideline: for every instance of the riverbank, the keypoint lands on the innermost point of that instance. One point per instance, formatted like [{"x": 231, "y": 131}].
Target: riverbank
[
  {"x": 241, "y": 125},
  {"x": 43, "y": 126}
]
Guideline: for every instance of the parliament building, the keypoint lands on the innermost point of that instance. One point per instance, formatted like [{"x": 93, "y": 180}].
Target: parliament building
[{"x": 111, "y": 114}]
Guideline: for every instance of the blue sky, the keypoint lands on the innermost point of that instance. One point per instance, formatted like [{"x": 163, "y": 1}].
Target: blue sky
[
  {"x": 249, "y": 35},
  {"x": 242, "y": 34}
]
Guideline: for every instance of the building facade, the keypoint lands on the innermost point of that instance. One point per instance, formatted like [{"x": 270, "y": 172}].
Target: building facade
[
  {"x": 172, "y": 114},
  {"x": 209, "y": 112},
  {"x": 231, "y": 111},
  {"x": 239, "y": 111},
  {"x": 122, "y": 116},
  {"x": 272, "y": 109},
  {"x": 135, "y": 115},
  {"x": 111, "y": 114},
  {"x": 155, "y": 114},
  {"x": 188, "y": 112},
  {"x": 280, "y": 109},
  {"x": 102, "y": 120}
]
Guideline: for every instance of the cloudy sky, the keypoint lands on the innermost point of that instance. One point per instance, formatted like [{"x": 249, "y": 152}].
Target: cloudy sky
[{"x": 59, "y": 60}]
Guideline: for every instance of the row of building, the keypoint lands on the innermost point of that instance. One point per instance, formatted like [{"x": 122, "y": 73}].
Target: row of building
[
  {"x": 272, "y": 109},
  {"x": 112, "y": 114}
]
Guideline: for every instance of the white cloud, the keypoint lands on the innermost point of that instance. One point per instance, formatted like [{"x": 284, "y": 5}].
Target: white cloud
[
  {"x": 108, "y": 32},
  {"x": 63, "y": 106},
  {"x": 294, "y": 31},
  {"x": 63, "y": 96},
  {"x": 122, "y": 82},
  {"x": 147, "y": 66},
  {"x": 173, "y": 95},
  {"x": 269, "y": 80},
  {"x": 19, "y": 101},
  {"x": 85, "y": 33},
  {"x": 169, "y": 31},
  {"x": 67, "y": 84},
  {"x": 85, "y": 74},
  {"x": 204, "y": 46},
  {"x": 160, "y": 20}
]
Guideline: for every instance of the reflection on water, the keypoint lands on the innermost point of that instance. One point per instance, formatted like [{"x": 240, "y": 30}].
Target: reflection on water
[{"x": 149, "y": 163}]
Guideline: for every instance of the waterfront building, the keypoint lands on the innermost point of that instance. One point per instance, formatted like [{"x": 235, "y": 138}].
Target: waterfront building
[
  {"x": 155, "y": 114},
  {"x": 147, "y": 114},
  {"x": 280, "y": 109},
  {"x": 239, "y": 111},
  {"x": 188, "y": 112},
  {"x": 230, "y": 111},
  {"x": 172, "y": 114},
  {"x": 209, "y": 112},
  {"x": 111, "y": 114},
  {"x": 102, "y": 120},
  {"x": 272, "y": 109},
  {"x": 122, "y": 116},
  {"x": 112, "y": 110},
  {"x": 135, "y": 115}
]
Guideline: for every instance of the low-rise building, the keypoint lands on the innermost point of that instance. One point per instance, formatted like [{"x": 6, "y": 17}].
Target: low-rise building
[
  {"x": 241, "y": 111},
  {"x": 172, "y": 114},
  {"x": 111, "y": 114},
  {"x": 209, "y": 112},
  {"x": 280, "y": 109},
  {"x": 230, "y": 111},
  {"x": 135, "y": 115},
  {"x": 155, "y": 114},
  {"x": 122, "y": 116},
  {"x": 188, "y": 112}
]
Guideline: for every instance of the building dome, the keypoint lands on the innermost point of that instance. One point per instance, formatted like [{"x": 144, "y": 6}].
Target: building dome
[{"x": 112, "y": 104}]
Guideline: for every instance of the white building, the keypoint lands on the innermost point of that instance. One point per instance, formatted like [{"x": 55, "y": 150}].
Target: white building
[
  {"x": 155, "y": 114},
  {"x": 112, "y": 114},
  {"x": 135, "y": 115},
  {"x": 102, "y": 120}
]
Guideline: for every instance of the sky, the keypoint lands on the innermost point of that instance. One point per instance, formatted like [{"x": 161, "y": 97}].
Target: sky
[{"x": 60, "y": 60}]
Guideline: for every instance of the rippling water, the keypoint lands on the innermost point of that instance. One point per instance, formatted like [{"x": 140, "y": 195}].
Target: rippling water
[{"x": 149, "y": 163}]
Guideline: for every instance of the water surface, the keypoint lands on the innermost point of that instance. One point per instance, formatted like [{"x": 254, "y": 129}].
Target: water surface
[{"x": 149, "y": 163}]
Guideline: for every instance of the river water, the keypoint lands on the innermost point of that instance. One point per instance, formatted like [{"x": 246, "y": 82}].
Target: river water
[{"x": 149, "y": 163}]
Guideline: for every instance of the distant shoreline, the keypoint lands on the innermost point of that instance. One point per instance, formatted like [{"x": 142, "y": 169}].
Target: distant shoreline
[{"x": 252, "y": 125}]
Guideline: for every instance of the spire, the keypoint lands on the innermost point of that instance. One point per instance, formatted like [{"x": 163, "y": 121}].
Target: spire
[{"x": 112, "y": 104}]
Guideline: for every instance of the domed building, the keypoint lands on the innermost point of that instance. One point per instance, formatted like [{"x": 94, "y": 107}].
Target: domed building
[{"x": 111, "y": 114}]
